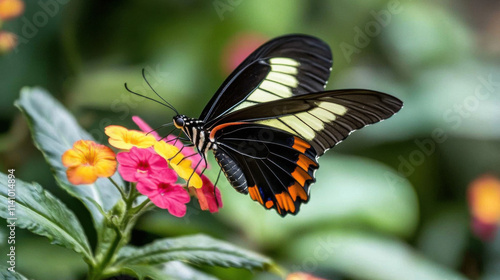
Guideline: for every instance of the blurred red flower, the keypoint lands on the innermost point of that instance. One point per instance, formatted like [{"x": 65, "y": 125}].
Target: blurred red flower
[{"x": 238, "y": 48}]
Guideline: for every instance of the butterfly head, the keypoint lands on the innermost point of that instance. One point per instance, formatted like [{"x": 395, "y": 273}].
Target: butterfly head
[{"x": 180, "y": 121}]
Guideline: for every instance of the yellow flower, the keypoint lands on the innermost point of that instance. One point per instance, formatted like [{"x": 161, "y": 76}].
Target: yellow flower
[
  {"x": 87, "y": 161},
  {"x": 10, "y": 9},
  {"x": 181, "y": 167},
  {"x": 124, "y": 139}
]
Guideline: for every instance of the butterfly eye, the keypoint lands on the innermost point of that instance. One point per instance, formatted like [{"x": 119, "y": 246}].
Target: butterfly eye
[{"x": 179, "y": 122}]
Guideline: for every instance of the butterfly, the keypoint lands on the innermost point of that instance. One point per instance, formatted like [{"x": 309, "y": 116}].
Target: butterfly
[{"x": 271, "y": 120}]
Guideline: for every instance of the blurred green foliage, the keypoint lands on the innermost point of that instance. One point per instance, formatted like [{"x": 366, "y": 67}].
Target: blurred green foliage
[{"x": 389, "y": 203}]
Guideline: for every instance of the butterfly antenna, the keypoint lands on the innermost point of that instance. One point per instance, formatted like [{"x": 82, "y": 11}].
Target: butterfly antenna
[
  {"x": 161, "y": 126},
  {"x": 138, "y": 94},
  {"x": 170, "y": 105}
]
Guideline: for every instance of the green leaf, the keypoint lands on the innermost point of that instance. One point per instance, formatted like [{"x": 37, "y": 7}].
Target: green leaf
[
  {"x": 179, "y": 270},
  {"x": 6, "y": 274},
  {"x": 39, "y": 212},
  {"x": 144, "y": 272},
  {"x": 170, "y": 270},
  {"x": 54, "y": 131},
  {"x": 196, "y": 249},
  {"x": 362, "y": 255}
]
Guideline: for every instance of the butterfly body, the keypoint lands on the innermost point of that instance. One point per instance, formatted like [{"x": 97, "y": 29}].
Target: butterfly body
[{"x": 271, "y": 120}]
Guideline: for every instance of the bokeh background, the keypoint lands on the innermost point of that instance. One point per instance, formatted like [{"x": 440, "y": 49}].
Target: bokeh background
[{"x": 414, "y": 197}]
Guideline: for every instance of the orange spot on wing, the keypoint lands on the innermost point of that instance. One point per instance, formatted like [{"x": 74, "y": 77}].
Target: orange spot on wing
[
  {"x": 221, "y": 126},
  {"x": 285, "y": 202},
  {"x": 255, "y": 194},
  {"x": 300, "y": 145},
  {"x": 300, "y": 176},
  {"x": 296, "y": 191},
  {"x": 305, "y": 162},
  {"x": 269, "y": 204}
]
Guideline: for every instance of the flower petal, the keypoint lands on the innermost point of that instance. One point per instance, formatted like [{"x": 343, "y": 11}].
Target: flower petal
[
  {"x": 105, "y": 168},
  {"x": 124, "y": 139},
  {"x": 81, "y": 175},
  {"x": 147, "y": 187},
  {"x": 71, "y": 158},
  {"x": 87, "y": 161},
  {"x": 206, "y": 197},
  {"x": 145, "y": 127}
]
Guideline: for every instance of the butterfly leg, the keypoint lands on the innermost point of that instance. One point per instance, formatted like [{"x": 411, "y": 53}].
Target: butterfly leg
[
  {"x": 196, "y": 167},
  {"x": 215, "y": 188}
]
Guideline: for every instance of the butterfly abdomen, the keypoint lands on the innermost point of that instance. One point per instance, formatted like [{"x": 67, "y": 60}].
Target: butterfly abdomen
[{"x": 232, "y": 171}]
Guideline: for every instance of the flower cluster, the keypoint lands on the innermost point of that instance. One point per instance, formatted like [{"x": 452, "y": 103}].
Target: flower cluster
[
  {"x": 9, "y": 9},
  {"x": 151, "y": 163}
]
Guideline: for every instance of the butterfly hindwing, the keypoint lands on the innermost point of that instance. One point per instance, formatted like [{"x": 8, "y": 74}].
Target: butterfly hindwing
[
  {"x": 277, "y": 167},
  {"x": 323, "y": 119},
  {"x": 283, "y": 67}
]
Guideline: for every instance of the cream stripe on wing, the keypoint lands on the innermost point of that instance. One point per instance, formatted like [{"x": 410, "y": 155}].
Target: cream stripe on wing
[
  {"x": 284, "y": 79},
  {"x": 277, "y": 124},
  {"x": 311, "y": 120},
  {"x": 333, "y": 107},
  {"x": 305, "y": 131},
  {"x": 284, "y": 69},
  {"x": 284, "y": 61},
  {"x": 262, "y": 96},
  {"x": 276, "y": 88}
]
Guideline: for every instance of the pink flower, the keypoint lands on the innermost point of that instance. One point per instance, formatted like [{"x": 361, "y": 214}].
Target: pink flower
[
  {"x": 139, "y": 163},
  {"x": 206, "y": 196},
  {"x": 186, "y": 151},
  {"x": 163, "y": 192}
]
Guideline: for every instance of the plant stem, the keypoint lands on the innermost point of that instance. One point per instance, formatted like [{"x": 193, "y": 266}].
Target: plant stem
[
  {"x": 122, "y": 225},
  {"x": 124, "y": 197}
]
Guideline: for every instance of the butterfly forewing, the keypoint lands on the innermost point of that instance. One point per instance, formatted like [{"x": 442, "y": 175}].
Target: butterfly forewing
[{"x": 283, "y": 67}]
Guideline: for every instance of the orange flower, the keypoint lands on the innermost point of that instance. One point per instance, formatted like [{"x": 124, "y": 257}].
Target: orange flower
[
  {"x": 124, "y": 139},
  {"x": 87, "y": 161},
  {"x": 484, "y": 197},
  {"x": 8, "y": 41},
  {"x": 10, "y": 9},
  {"x": 181, "y": 167},
  {"x": 484, "y": 204},
  {"x": 302, "y": 276}
]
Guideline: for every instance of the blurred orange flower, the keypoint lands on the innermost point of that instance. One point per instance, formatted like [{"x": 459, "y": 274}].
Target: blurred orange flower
[
  {"x": 10, "y": 9},
  {"x": 87, "y": 161},
  {"x": 484, "y": 203},
  {"x": 8, "y": 41},
  {"x": 124, "y": 139},
  {"x": 302, "y": 276}
]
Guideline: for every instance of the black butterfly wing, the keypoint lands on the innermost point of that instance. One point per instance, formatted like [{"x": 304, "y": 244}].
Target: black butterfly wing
[
  {"x": 322, "y": 119},
  {"x": 275, "y": 167},
  {"x": 281, "y": 68}
]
